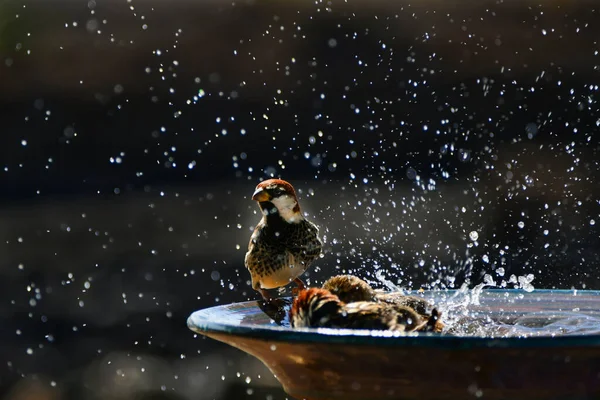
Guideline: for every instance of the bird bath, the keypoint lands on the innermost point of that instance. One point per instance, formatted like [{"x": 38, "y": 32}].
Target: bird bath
[{"x": 543, "y": 344}]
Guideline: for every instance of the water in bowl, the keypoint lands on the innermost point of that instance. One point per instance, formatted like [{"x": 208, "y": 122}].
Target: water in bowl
[{"x": 519, "y": 313}]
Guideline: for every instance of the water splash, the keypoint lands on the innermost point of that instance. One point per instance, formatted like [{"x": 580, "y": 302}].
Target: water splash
[
  {"x": 380, "y": 275},
  {"x": 468, "y": 312}
]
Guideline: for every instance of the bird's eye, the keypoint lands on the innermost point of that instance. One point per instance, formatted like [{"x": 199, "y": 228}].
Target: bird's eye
[{"x": 275, "y": 191}]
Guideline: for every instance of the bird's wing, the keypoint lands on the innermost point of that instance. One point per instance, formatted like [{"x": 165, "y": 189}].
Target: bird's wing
[
  {"x": 306, "y": 245},
  {"x": 253, "y": 246}
]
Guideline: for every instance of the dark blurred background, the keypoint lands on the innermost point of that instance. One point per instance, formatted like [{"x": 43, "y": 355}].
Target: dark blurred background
[{"x": 433, "y": 142}]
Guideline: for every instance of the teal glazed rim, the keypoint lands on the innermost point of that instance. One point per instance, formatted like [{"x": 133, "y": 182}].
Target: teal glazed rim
[{"x": 246, "y": 319}]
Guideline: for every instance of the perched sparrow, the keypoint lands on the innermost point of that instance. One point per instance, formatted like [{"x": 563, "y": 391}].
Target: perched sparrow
[
  {"x": 351, "y": 289},
  {"x": 284, "y": 243},
  {"x": 314, "y": 308}
]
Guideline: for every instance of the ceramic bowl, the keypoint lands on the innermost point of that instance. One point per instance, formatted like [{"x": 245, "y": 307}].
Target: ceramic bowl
[{"x": 357, "y": 364}]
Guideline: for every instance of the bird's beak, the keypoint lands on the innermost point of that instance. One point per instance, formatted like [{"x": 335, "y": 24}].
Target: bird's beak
[{"x": 261, "y": 195}]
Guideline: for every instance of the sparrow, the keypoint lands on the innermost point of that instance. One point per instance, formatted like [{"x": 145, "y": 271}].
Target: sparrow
[
  {"x": 350, "y": 288},
  {"x": 319, "y": 308},
  {"x": 284, "y": 243},
  {"x": 416, "y": 303}
]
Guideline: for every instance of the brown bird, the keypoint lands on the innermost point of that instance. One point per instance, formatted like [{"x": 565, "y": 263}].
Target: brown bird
[
  {"x": 319, "y": 308},
  {"x": 314, "y": 308},
  {"x": 420, "y": 305},
  {"x": 350, "y": 288},
  {"x": 284, "y": 243}
]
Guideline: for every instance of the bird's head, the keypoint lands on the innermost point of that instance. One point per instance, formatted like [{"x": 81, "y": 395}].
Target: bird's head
[
  {"x": 278, "y": 196},
  {"x": 313, "y": 308},
  {"x": 350, "y": 288}
]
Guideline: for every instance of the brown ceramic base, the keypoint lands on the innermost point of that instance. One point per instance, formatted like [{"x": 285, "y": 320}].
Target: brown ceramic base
[{"x": 361, "y": 372}]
